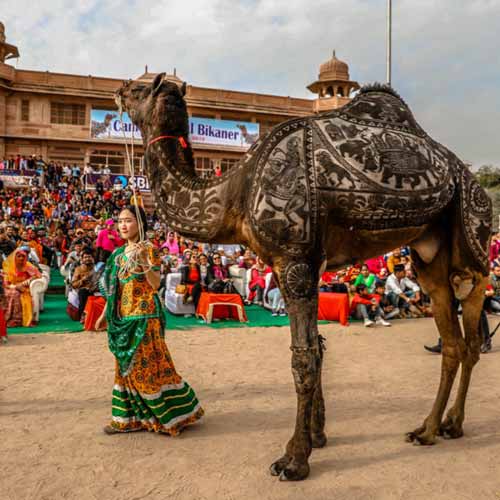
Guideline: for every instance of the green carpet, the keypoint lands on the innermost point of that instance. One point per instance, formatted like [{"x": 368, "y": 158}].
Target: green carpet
[
  {"x": 56, "y": 278},
  {"x": 54, "y": 319},
  {"x": 257, "y": 317}
]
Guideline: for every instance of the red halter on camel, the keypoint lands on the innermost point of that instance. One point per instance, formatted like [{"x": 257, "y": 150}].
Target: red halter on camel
[{"x": 181, "y": 140}]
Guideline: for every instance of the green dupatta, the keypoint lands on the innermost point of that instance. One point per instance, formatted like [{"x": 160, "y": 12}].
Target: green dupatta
[{"x": 124, "y": 334}]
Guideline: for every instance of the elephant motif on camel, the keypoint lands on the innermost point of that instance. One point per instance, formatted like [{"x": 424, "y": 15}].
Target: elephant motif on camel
[{"x": 322, "y": 192}]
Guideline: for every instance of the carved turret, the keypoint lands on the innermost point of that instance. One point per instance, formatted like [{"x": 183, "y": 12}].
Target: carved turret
[
  {"x": 7, "y": 51},
  {"x": 333, "y": 86}
]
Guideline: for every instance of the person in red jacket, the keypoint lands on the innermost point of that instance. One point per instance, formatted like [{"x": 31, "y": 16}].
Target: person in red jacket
[
  {"x": 366, "y": 306},
  {"x": 257, "y": 283}
]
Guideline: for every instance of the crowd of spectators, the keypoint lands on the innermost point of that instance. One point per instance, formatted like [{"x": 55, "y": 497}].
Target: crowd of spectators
[{"x": 59, "y": 222}]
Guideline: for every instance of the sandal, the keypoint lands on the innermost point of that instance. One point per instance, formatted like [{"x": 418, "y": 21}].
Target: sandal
[{"x": 109, "y": 430}]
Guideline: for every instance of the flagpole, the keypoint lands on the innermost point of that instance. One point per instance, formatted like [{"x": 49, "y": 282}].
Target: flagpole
[{"x": 389, "y": 41}]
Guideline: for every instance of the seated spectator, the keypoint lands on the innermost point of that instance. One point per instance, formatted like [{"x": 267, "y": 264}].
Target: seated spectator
[
  {"x": 388, "y": 309},
  {"x": 492, "y": 294},
  {"x": 338, "y": 283},
  {"x": 325, "y": 282},
  {"x": 84, "y": 280},
  {"x": 247, "y": 261},
  {"x": 275, "y": 298},
  {"x": 191, "y": 277},
  {"x": 401, "y": 291},
  {"x": 174, "y": 264},
  {"x": 7, "y": 245},
  {"x": 393, "y": 259},
  {"x": 171, "y": 243},
  {"x": 383, "y": 274},
  {"x": 218, "y": 277},
  {"x": 352, "y": 273},
  {"x": 494, "y": 247},
  {"x": 366, "y": 278},
  {"x": 18, "y": 274},
  {"x": 376, "y": 264},
  {"x": 365, "y": 306},
  {"x": 204, "y": 269},
  {"x": 72, "y": 261},
  {"x": 257, "y": 282}
]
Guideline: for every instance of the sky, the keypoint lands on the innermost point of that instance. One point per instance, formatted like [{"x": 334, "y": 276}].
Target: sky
[{"x": 446, "y": 57}]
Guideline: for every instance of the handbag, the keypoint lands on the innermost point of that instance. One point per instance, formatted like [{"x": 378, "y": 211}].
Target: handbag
[
  {"x": 181, "y": 289},
  {"x": 229, "y": 288},
  {"x": 216, "y": 286}
]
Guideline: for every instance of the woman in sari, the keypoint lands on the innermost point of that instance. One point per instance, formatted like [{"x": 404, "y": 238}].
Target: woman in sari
[
  {"x": 148, "y": 393},
  {"x": 18, "y": 274}
]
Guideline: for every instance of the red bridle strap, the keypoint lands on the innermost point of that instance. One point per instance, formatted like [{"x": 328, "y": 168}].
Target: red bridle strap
[{"x": 181, "y": 140}]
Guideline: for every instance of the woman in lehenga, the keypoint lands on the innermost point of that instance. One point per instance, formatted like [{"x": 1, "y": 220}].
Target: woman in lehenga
[
  {"x": 148, "y": 393},
  {"x": 18, "y": 274}
]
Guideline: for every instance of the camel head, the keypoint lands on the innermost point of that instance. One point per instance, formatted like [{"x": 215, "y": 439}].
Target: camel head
[{"x": 157, "y": 109}]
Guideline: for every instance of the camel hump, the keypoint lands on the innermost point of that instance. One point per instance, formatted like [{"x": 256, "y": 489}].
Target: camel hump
[
  {"x": 476, "y": 215},
  {"x": 380, "y": 87},
  {"x": 379, "y": 105}
]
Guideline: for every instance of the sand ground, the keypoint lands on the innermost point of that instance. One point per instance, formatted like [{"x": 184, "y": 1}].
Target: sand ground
[{"x": 55, "y": 397}]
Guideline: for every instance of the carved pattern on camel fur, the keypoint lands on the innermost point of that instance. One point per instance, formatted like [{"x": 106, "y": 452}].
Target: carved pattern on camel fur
[{"x": 326, "y": 191}]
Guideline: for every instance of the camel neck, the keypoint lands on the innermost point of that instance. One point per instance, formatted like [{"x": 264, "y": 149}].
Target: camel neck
[{"x": 203, "y": 209}]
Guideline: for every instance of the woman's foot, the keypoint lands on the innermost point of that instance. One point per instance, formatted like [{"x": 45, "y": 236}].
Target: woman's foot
[
  {"x": 283, "y": 312},
  {"x": 274, "y": 313},
  {"x": 109, "y": 429}
]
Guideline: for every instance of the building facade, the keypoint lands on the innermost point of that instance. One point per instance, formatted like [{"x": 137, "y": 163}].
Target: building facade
[{"x": 55, "y": 115}]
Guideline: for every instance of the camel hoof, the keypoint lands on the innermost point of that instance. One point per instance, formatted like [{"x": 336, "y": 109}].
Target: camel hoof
[
  {"x": 424, "y": 439},
  {"x": 410, "y": 437},
  {"x": 295, "y": 472},
  {"x": 419, "y": 437},
  {"x": 319, "y": 440},
  {"x": 277, "y": 467},
  {"x": 450, "y": 429}
]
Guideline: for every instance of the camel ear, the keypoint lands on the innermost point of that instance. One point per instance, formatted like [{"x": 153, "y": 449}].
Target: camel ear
[
  {"x": 183, "y": 89},
  {"x": 156, "y": 85}
]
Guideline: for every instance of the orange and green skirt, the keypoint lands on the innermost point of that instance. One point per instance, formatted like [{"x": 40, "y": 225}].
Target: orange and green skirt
[{"x": 153, "y": 396}]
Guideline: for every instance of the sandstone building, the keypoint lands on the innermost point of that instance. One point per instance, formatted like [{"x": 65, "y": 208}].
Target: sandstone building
[{"x": 52, "y": 114}]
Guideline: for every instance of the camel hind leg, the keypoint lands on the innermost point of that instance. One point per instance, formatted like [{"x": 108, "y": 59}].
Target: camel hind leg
[
  {"x": 434, "y": 278},
  {"x": 472, "y": 306}
]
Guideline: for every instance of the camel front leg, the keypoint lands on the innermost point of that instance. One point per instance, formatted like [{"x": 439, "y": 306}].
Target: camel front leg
[
  {"x": 318, "y": 435},
  {"x": 299, "y": 284}
]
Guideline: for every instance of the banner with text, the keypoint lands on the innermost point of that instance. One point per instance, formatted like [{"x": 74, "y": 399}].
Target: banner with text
[
  {"x": 105, "y": 124},
  {"x": 118, "y": 181}
]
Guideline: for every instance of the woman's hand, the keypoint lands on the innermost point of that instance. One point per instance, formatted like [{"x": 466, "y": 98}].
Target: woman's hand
[{"x": 143, "y": 256}]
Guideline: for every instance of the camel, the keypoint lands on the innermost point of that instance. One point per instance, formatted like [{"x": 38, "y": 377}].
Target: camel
[{"x": 288, "y": 201}]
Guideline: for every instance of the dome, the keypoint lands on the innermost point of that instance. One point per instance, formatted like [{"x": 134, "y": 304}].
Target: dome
[{"x": 334, "y": 69}]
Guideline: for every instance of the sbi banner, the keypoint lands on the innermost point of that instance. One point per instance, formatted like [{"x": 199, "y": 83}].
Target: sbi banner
[
  {"x": 105, "y": 124},
  {"x": 119, "y": 182}
]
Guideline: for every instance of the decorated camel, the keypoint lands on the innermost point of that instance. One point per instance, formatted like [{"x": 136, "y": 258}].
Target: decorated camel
[{"x": 322, "y": 192}]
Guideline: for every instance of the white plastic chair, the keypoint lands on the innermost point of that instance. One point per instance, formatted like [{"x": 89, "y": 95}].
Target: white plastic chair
[{"x": 174, "y": 301}]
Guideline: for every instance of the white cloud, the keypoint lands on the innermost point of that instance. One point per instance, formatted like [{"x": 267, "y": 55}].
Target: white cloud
[{"x": 446, "y": 62}]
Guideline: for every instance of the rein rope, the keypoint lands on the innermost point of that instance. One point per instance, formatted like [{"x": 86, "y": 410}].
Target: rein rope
[{"x": 129, "y": 262}]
